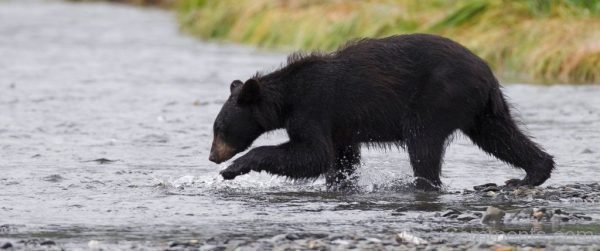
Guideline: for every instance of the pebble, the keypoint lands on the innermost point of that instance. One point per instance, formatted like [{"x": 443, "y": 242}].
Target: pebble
[
  {"x": 493, "y": 214},
  {"x": 373, "y": 240},
  {"x": 341, "y": 242},
  {"x": 504, "y": 248},
  {"x": 314, "y": 244},
  {"x": 406, "y": 237},
  {"x": 209, "y": 247},
  {"x": 94, "y": 245},
  {"x": 490, "y": 194}
]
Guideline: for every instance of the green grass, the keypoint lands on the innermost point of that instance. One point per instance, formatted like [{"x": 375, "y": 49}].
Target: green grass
[{"x": 542, "y": 41}]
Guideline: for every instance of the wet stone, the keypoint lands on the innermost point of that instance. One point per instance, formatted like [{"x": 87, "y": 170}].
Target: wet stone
[
  {"x": 211, "y": 248},
  {"x": 6, "y": 245},
  {"x": 450, "y": 213},
  {"x": 373, "y": 240},
  {"x": 341, "y": 242},
  {"x": 191, "y": 243},
  {"x": 292, "y": 236},
  {"x": 47, "y": 243},
  {"x": 582, "y": 217},
  {"x": 491, "y": 189},
  {"x": 317, "y": 244},
  {"x": 490, "y": 194},
  {"x": 484, "y": 186},
  {"x": 467, "y": 217}
]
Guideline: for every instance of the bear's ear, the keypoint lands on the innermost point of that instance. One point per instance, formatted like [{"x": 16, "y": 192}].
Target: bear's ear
[
  {"x": 250, "y": 92},
  {"x": 235, "y": 84}
]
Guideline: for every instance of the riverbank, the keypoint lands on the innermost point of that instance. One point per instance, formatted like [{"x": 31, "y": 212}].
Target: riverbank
[{"x": 531, "y": 41}]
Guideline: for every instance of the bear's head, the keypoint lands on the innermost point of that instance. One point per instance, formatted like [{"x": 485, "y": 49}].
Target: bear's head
[{"x": 236, "y": 127}]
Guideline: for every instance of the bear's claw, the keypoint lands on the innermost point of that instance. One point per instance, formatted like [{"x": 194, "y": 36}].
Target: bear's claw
[{"x": 233, "y": 171}]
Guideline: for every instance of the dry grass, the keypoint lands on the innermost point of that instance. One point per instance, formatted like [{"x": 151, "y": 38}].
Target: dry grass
[
  {"x": 544, "y": 41},
  {"x": 160, "y": 3}
]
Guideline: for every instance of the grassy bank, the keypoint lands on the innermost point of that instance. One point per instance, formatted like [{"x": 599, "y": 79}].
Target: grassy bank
[
  {"x": 160, "y": 3},
  {"x": 543, "y": 41}
]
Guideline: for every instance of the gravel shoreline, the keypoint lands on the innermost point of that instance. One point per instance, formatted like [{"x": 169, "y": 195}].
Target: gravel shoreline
[{"x": 536, "y": 224}]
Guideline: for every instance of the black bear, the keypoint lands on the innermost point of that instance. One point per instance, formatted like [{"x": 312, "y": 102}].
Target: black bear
[{"x": 412, "y": 91}]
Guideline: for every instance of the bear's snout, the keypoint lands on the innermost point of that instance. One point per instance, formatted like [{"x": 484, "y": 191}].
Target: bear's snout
[
  {"x": 220, "y": 151},
  {"x": 213, "y": 157}
]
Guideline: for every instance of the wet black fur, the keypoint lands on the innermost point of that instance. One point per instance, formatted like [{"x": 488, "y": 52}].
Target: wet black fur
[{"x": 412, "y": 91}]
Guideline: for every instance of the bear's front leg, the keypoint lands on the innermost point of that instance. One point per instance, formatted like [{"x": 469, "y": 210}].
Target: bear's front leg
[
  {"x": 243, "y": 165},
  {"x": 292, "y": 160}
]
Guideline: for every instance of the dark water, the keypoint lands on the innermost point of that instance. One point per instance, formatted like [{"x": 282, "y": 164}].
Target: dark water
[{"x": 105, "y": 126}]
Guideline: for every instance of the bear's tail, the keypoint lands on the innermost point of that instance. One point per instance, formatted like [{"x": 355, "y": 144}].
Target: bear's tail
[{"x": 495, "y": 132}]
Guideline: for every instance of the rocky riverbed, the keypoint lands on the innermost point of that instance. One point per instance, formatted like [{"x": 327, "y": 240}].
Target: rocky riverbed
[{"x": 518, "y": 218}]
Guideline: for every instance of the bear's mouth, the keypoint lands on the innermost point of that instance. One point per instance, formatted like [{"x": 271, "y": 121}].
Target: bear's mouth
[{"x": 220, "y": 151}]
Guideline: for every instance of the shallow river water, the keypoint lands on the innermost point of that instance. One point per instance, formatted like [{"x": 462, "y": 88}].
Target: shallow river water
[{"x": 105, "y": 127}]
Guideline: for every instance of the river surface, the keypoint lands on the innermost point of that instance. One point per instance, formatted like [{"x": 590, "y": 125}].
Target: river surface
[{"x": 105, "y": 128}]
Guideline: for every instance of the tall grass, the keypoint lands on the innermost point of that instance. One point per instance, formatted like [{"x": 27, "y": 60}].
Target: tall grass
[
  {"x": 545, "y": 41},
  {"x": 160, "y": 3}
]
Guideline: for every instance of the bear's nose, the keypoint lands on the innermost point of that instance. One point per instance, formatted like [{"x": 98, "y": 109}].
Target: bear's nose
[{"x": 213, "y": 157}]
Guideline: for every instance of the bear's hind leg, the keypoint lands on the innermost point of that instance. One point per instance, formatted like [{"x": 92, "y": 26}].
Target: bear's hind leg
[
  {"x": 426, "y": 154},
  {"x": 499, "y": 136},
  {"x": 339, "y": 177}
]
